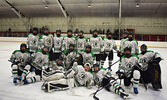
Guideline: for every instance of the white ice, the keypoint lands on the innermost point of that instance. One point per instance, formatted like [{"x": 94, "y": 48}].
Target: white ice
[{"x": 8, "y": 91}]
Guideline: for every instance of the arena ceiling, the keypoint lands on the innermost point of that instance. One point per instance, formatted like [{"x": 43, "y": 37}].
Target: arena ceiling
[{"x": 79, "y": 8}]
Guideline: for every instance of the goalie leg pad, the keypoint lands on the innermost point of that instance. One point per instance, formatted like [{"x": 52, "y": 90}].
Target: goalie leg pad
[
  {"x": 58, "y": 85},
  {"x": 52, "y": 76}
]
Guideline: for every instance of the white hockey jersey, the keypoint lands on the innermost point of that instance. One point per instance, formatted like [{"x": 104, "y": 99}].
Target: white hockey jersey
[
  {"x": 133, "y": 44},
  {"x": 127, "y": 64},
  {"x": 88, "y": 57},
  {"x": 81, "y": 43},
  {"x": 19, "y": 57},
  {"x": 148, "y": 56},
  {"x": 108, "y": 45},
  {"x": 40, "y": 60},
  {"x": 67, "y": 41},
  {"x": 102, "y": 73},
  {"x": 81, "y": 76},
  {"x": 122, "y": 46},
  {"x": 47, "y": 41},
  {"x": 96, "y": 44},
  {"x": 33, "y": 42},
  {"x": 58, "y": 43}
]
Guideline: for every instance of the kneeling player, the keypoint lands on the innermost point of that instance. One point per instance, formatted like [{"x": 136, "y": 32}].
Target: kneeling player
[
  {"x": 88, "y": 56},
  {"x": 39, "y": 62},
  {"x": 128, "y": 69},
  {"x": 19, "y": 61},
  {"x": 150, "y": 68},
  {"x": 103, "y": 78}
]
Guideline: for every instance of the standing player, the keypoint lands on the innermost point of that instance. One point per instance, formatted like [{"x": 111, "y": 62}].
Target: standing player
[
  {"x": 132, "y": 43},
  {"x": 96, "y": 44},
  {"x": 47, "y": 39},
  {"x": 150, "y": 68},
  {"x": 81, "y": 41},
  {"x": 69, "y": 39},
  {"x": 122, "y": 46},
  {"x": 33, "y": 41},
  {"x": 19, "y": 61},
  {"x": 103, "y": 77},
  {"x": 57, "y": 46},
  {"x": 128, "y": 69},
  {"x": 88, "y": 56},
  {"x": 107, "y": 50}
]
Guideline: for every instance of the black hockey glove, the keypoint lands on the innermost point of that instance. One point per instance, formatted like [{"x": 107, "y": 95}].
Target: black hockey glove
[{"x": 121, "y": 75}]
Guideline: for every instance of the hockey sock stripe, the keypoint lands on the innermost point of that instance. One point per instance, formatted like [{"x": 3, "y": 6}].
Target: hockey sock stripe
[
  {"x": 14, "y": 73},
  {"x": 25, "y": 73},
  {"x": 31, "y": 79},
  {"x": 14, "y": 69},
  {"x": 34, "y": 79}
]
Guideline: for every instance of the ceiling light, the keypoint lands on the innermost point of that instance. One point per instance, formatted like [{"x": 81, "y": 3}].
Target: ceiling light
[
  {"x": 89, "y": 6},
  {"x": 46, "y": 7},
  {"x": 137, "y": 5}
]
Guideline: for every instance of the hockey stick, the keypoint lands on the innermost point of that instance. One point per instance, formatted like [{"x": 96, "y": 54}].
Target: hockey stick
[
  {"x": 99, "y": 89},
  {"x": 113, "y": 64}
]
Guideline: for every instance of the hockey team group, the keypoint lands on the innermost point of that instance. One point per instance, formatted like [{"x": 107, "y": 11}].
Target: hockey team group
[{"x": 64, "y": 62}]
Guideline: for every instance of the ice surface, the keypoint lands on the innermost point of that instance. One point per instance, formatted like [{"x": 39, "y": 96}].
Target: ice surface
[{"x": 8, "y": 91}]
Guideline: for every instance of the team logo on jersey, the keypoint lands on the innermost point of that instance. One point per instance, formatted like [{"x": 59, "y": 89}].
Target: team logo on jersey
[
  {"x": 21, "y": 59},
  {"x": 57, "y": 43},
  {"x": 143, "y": 60},
  {"x": 108, "y": 45},
  {"x": 48, "y": 42},
  {"x": 95, "y": 44},
  {"x": 39, "y": 60},
  {"x": 129, "y": 65},
  {"x": 80, "y": 45},
  {"x": 33, "y": 42}
]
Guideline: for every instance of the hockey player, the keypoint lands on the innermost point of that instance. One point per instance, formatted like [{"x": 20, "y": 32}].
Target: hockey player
[
  {"x": 150, "y": 68},
  {"x": 81, "y": 41},
  {"x": 122, "y": 46},
  {"x": 47, "y": 39},
  {"x": 96, "y": 44},
  {"x": 57, "y": 46},
  {"x": 132, "y": 43},
  {"x": 107, "y": 50},
  {"x": 33, "y": 41},
  {"x": 70, "y": 56},
  {"x": 39, "y": 61},
  {"x": 88, "y": 56},
  {"x": 56, "y": 78},
  {"x": 69, "y": 39},
  {"x": 83, "y": 76},
  {"x": 19, "y": 61},
  {"x": 103, "y": 78},
  {"x": 128, "y": 69}
]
